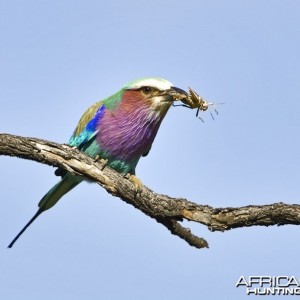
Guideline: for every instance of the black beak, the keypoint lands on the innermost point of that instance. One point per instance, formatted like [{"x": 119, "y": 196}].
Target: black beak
[{"x": 177, "y": 93}]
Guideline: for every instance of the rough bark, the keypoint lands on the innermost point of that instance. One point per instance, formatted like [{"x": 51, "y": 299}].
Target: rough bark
[{"x": 166, "y": 210}]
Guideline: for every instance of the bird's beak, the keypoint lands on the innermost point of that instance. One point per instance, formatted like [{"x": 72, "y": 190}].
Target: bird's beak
[{"x": 176, "y": 93}]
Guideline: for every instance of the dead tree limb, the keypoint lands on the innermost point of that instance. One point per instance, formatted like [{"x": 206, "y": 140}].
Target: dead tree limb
[{"x": 164, "y": 209}]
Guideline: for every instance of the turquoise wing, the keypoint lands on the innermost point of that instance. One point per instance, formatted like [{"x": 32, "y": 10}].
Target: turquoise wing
[{"x": 85, "y": 133}]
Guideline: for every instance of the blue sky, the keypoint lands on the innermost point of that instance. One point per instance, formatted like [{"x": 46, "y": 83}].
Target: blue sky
[{"x": 59, "y": 57}]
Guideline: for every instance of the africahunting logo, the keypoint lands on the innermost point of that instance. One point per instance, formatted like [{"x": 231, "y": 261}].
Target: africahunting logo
[{"x": 270, "y": 285}]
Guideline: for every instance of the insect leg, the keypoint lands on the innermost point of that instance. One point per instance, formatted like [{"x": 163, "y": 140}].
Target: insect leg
[
  {"x": 197, "y": 115},
  {"x": 184, "y": 105}
]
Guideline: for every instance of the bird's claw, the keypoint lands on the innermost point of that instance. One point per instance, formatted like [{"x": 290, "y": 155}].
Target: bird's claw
[
  {"x": 136, "y": 182},
  {"x": 97, "y": 157},
  {"x": 102, "y": 160}
]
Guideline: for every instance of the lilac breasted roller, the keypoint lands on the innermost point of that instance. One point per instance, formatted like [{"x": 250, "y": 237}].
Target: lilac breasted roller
[{"x": 120, "y": 129}]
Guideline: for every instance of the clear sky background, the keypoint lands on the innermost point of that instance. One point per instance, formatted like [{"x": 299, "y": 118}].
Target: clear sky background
[{"x": 59, "y": 57}]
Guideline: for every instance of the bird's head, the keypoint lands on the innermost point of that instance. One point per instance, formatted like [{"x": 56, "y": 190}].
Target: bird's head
[{"x": 157, "y": 93}]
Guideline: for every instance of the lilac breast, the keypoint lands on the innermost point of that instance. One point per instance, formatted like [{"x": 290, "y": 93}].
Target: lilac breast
[{"x": 127, "y": 135}]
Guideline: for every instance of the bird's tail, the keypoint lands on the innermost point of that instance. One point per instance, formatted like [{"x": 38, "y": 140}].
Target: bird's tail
[{"x": 67, "y": 183}]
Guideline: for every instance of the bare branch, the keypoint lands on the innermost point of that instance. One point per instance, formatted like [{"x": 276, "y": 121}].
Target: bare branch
[{"x": 166, "y": 210}]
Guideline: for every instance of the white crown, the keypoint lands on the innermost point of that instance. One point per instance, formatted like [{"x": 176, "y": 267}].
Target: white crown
[{"x": 158, "y": 83}]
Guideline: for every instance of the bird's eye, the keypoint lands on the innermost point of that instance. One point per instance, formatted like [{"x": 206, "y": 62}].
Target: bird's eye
[{"x": 146, "y": 89}]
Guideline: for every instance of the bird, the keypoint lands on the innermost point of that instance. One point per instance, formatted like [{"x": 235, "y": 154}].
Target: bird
[{"x": 120, "y": 129}]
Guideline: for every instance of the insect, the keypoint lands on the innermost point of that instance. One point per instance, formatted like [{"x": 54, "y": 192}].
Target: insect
[{"x": 193, "y": 100}]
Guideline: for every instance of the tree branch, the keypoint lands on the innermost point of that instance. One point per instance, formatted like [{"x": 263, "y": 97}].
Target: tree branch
[{"x": 166, "y": 210}]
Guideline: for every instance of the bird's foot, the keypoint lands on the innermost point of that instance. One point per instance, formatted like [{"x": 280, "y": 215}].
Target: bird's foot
[
  {"x": 136, "y": 182},
  {"x": 97, "y": 157},
  {"x": 102, "y": 160}
]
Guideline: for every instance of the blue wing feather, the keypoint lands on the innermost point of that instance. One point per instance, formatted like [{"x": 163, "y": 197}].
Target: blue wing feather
[{"x": 89, "y": 130}]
